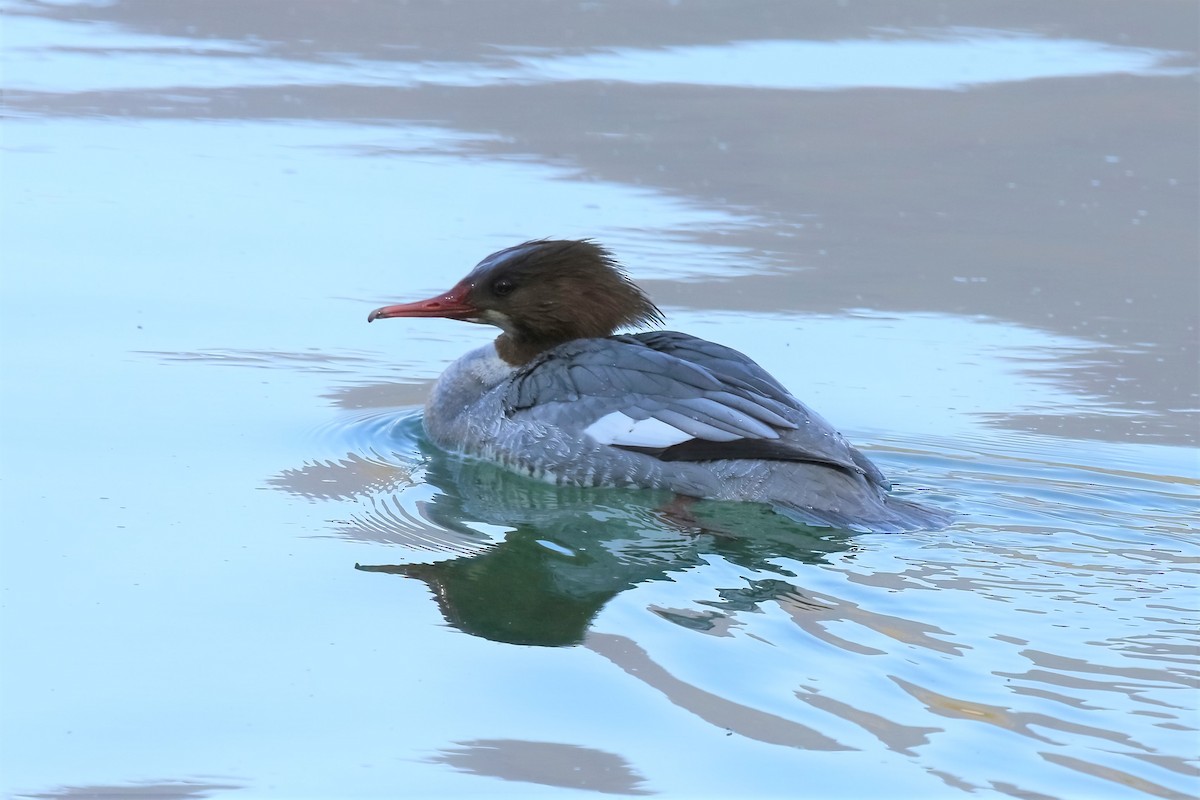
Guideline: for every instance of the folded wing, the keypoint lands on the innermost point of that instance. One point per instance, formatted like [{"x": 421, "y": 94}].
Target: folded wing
[{"x": 677, "y": 398}]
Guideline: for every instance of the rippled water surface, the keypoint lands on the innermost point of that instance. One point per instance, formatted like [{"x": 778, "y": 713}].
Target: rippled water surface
[{"x": 232, "y": 564}]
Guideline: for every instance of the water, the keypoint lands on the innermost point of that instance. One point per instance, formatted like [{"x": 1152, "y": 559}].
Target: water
[{"x": 232, "y": 565}]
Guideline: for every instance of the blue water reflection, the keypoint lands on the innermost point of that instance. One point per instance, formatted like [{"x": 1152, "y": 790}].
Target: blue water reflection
[
  {"x": 952, "y": 58},
  {"x": 202, "y": 438}
]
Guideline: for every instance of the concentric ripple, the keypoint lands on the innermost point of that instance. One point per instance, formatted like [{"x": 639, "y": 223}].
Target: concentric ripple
[{"x": 380, "y": 472}]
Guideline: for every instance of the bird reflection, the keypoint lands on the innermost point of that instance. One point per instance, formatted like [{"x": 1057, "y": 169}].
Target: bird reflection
[{"x": 530, "y": 563}]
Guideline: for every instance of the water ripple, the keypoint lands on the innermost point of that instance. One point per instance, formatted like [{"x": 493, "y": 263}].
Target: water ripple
[
  {"x": 1068, "y": 582},
  {"x": 380, "y": 472}
]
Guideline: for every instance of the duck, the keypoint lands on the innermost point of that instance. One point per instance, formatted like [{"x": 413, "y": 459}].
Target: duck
[{"x": 563, "y": 397}]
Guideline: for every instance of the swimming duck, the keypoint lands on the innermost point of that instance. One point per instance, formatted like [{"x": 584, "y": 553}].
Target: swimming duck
[{"x": 562, "y": 397}]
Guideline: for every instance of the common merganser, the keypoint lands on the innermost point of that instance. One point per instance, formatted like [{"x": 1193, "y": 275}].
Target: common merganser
[{"x": 560, "y": 397}]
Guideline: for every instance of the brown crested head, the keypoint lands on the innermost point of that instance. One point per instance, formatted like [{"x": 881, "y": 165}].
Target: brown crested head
[{"x": 542, "y": 293}]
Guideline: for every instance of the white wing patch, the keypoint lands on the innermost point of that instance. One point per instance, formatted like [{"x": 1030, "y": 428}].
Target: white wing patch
[{"x": 620, "y": 429}]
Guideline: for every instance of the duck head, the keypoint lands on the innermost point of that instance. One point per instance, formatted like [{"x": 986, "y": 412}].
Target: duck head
[{"x": 540, "y": 294}]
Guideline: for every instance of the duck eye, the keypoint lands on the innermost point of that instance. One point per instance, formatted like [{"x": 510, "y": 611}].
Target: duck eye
[{"x": 503, "y": 287}]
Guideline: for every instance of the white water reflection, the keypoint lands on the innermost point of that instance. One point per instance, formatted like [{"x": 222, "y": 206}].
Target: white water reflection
[
  {"x": 947, "y": 60},
  {"x": 352, "y": 201},
  {"x": 54, "y": 56}
]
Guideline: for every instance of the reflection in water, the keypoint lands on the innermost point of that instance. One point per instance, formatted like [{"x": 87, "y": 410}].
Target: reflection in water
[
  {"x": 563, "y": 552},
  {"x": 714, "y": 709},
  {"x": 946, "y": 58},
  {"x": 543, "y": 584},
  {"x": 1056, "y": 624},
  {"x": 148, "y": 790},
  {"x": 521, "y": 562},
  {"x": 1069, "y": 168},
  {"x": 547, "y": 763},
  {"x": 942, "y": 59}
]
